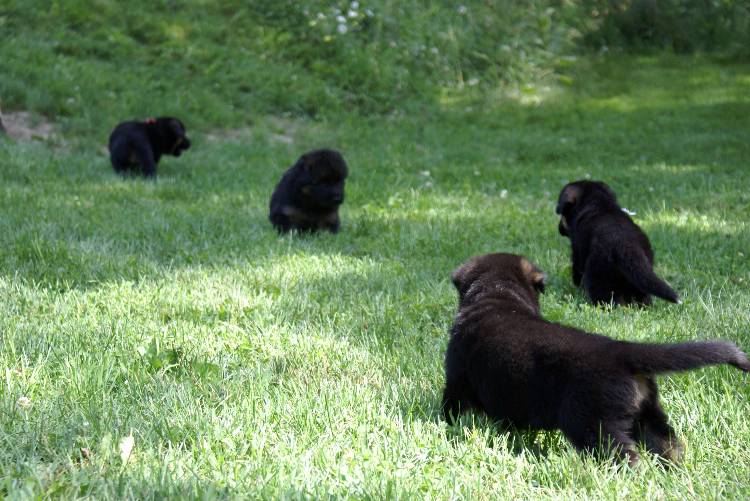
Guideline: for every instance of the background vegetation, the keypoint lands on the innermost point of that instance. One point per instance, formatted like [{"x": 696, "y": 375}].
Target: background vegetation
[
  {"x": 159, "y": 339},
  {"x": 87, "y": 61}
]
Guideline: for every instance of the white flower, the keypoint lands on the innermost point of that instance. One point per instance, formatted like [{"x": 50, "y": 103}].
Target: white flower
[
  {"x": 472, "y": 82},
  {"x": 462, "y": 9},
  {"x": 341, "y": 28},
  {"x": 355, "y": 5},
  {"x": 126, "y": 447},
  {"x": 352, "y": 13},
  {"x": 424, "y": 173},
  {"x": 321, "y": 15},
  {"x": 504, "y": 194},
  {"x": 340, "y": 19},
  {"x": 24, "y": 402}
]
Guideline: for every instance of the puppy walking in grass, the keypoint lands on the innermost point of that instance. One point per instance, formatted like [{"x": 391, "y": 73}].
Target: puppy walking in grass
[
  {"x": 137, "y": 146},
  {"x": 503, "y": 358},
  {"x": 308, "y": 197},
  {"x": 611, "y": 255}
]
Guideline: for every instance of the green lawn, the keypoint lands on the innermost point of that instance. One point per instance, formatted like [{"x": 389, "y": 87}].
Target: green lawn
[{"x": 251, "y": 365}]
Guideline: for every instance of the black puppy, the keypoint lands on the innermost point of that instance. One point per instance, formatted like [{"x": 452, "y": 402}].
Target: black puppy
[
  {"x": 137, "y": 145},
  {"x": 611, "y": 255},
  {"x": 308, "y": 197},
  {"x": 504, "y": 359}
]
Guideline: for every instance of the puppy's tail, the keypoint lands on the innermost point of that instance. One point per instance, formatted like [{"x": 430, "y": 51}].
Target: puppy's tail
[
  {"x": 634, "y": 264},
  {"x": 645, "y": 358}
]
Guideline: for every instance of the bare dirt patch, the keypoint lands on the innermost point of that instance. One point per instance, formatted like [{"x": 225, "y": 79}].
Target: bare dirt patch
[
  {"x": 277, "y": 129},
  {"x": 231, "y": 135},
  {"x": 25, "y": 126}
]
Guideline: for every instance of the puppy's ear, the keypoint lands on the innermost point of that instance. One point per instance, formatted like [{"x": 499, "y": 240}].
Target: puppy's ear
[
  {"x": 540, "y": 282},
  {"x": 605, "y": 187},
  {"x": 305, "y": 162},
  {"x": 457, "y": 277},
  {"x": 568, "y": 197},
  {"x": 461, "y": 276},
  {"x": 176, "y": 126},
  {"x": 534, "y": 275}
]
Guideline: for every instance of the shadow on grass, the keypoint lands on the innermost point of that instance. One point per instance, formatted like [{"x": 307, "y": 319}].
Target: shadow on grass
[
  {"x": 518, "y": 441},
  {"x": 79, "y": 254},
  {"x": 652, "y": 142}
]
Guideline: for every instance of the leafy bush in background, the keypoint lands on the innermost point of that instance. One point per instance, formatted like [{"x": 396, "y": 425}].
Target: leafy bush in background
[
  {"x": 225, "y": 62},
  {"x": 680, "y": 25},
  {"x": 91, "y": 63},
  {"x": 383, "y": 52}
]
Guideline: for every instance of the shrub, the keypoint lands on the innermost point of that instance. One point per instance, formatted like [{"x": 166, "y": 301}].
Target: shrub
[{"x": 681, "y": 25}]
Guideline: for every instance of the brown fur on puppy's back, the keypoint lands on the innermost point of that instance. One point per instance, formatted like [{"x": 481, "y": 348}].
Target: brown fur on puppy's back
[{"x": 503, "y": 358}]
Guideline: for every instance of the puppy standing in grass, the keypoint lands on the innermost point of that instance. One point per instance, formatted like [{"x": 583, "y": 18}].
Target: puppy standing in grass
[
  {"x": 138, "y": 146},
  {"x": 611, "y": 255},
  {"x": 308, "y": 197},
  {"x": 504, "y": 359}
]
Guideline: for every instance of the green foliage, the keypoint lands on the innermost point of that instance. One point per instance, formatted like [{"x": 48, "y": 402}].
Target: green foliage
[
  {"x": 249, "y": 365},
  {"x": 91, "y": 63},
  {"x": 681, "y": 25}
]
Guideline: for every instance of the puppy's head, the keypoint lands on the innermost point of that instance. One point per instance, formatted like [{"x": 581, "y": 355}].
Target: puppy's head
[
  {"x": 172, "y": 132},
  {"x": 577, "y": 194},
  {"x": 495, "y": 271},
  {"x": 320, "y": 179}
]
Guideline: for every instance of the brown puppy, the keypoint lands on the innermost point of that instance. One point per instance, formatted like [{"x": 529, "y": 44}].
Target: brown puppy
[
  {"x": 611, "y": 255},
  {"x": 504, "y": 359}
]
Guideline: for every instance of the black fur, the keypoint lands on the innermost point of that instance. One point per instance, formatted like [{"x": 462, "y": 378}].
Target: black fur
[
  {"x": 611, "y": 256},
  {"x": 137, "y": 146},
  {"x": 503, "y": 358},
  {"x": 308, "y": 197}
]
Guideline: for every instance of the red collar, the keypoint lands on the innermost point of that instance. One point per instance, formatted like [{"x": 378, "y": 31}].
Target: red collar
[{"x": 150, "y": 120}]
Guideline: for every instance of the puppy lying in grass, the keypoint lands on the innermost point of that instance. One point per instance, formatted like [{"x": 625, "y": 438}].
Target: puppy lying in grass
[
  {"x": 611, "y": 255},
  {"x": 138, "y": 146},
  {"x": 308, "y": 197},
  {"x": 503, "y": 358}
]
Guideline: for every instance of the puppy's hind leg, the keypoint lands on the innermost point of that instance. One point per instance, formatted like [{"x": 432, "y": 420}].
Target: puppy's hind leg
[
  {"x": 334, "y": 226},
  {"x": 611, "y": 436},
  {"x": 281, "y": 223},
  {"x": 579, "y": 264},
  {"x": 145, "y": 158},
  {"x": 119, "y": 155},
  {"x": 457, "y": 398},
  {"x": 653, "y": 429},
  {"x": 596, "y": 283}
]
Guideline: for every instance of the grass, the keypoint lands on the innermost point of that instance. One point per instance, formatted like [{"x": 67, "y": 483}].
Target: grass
[
  {"x": 245, "y": 364},
  {"x": 230, "y": 63}
]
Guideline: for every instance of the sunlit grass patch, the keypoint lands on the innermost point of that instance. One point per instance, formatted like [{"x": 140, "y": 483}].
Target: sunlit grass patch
[{"x": 248, "y": 364}]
